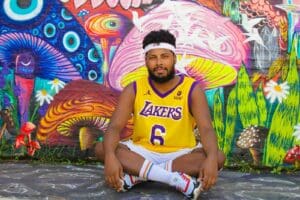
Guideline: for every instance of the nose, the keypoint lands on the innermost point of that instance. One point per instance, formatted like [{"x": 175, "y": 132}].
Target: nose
[{"x": 159, "y": 62}]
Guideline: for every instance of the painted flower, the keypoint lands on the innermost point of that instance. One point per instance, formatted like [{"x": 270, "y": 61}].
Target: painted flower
[
  {"x": 32, "y": 146},
  {"x": 297, "y": 132},
  {"x": 42, "y": 96},
  {"x": 27, "y": 128},
  {"x": 56, "y": 84},
  {"x": 276, "y": 91},
  {"x": 24, "y": 139},
  {"x": 20, "y": 140}
]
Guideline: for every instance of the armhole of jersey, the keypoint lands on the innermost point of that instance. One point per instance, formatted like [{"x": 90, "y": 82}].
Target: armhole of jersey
[{"x": 190, "y": 95}]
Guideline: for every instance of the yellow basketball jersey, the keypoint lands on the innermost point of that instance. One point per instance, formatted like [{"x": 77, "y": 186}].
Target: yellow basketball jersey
[{"x": 163, "y": 122}]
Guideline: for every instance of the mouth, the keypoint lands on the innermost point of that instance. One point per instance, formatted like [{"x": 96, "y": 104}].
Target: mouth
[{"x": 160, "y": 70}]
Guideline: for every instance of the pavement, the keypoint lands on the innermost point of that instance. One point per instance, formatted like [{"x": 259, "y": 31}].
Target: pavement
[{"x": 19, "y": 180}]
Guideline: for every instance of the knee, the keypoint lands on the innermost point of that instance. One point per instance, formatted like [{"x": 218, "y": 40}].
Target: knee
[{"x": 99, "y": 151}]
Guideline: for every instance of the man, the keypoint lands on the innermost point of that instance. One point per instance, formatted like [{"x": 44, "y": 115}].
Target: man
[{"x": 165, "y": 109}]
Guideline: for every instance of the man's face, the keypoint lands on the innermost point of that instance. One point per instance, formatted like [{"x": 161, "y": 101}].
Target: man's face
[{"x": 160, "y": 64}]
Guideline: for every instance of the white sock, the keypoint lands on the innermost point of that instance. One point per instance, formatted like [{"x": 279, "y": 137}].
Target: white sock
[
  {"x": 167, "y": 166},
  {"x": 155, "y": 173}
]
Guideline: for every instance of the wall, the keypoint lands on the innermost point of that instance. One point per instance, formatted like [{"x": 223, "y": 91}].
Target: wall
[{"x": 63, "y": 64}]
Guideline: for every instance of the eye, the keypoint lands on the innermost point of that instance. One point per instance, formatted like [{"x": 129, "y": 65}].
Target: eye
[
  {"x": 151, "y": 58},
  {"x": 93, "y": 55},
  {"x": 22, "y": 10},
  {"x": 71, "y": 41},
  {"x": 49, "y": 30}
]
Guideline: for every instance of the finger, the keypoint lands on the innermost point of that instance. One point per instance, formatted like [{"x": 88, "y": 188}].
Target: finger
[
  {"x": 114, "y": 182},
  {"x": 211, "y": 182},
  {"x": 200, "y": 178},
  {"x": 121, "y": 173},
  {"x": 109, "y": 182},
  {"x": 205, "y": 182}
]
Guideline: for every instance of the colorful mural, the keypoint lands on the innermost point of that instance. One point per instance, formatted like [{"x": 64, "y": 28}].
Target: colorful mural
[{"x": 64, "y": 63}]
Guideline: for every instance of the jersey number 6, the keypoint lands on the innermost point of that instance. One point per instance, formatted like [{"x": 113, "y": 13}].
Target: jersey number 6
[{"x": 157, "y": 138}]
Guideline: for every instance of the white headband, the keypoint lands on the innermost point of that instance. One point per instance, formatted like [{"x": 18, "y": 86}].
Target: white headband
[{"x": 161, "y": 45}]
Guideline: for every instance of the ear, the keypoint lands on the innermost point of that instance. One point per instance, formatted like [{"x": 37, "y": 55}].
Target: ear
[{"x": 175, "y": 58}]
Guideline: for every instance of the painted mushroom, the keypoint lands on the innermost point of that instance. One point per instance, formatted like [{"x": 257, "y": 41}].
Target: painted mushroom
[
  {"x": 32, "y": 57},
  {"x": 293, "y": 156},
  {"x": 80, "y": 112},
  {"x": 253, "y": 138}
]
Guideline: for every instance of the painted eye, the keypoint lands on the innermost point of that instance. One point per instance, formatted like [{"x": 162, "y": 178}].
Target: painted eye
[
  {"x": 61, "y": 25},
  {"x": 111, "y": 24},
  {"x": 92, "y": 75},
  {"x": 71, "y": 41},
  {"x": 49, "y": 30},
  {"x": 105, "y": 24},
  {"x": 22, "y": 10},
  {"x": 93, "y": 55},
  {"x": 66, "y": 14},
  {"x": 35, "y": 31},
  {"x": 79, "y": 67},
  {"x": 80, "y": 56}
]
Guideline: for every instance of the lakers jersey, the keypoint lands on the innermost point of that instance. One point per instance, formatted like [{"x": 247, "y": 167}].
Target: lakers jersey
[{"x": 163, "y": 122}]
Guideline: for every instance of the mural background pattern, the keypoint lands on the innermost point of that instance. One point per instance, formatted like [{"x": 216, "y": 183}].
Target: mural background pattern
[{"x": 64, "y": 63}]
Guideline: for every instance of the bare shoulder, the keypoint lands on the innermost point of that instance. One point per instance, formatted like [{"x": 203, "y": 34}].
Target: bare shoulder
[
  {"x": 197, "y": 91},
  {"x": 128, "y": 93},
  {"x": 129, "y": 88}
]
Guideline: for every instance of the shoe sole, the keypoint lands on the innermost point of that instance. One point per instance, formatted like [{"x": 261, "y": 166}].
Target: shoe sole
[{"x": 197, "y": 192}]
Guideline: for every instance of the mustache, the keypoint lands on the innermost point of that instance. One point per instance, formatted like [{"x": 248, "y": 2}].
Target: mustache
[{"x": 160, "y": 67}]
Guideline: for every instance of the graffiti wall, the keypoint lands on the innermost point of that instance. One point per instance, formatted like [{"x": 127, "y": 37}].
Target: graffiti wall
[{"x": 63, "y": 64}]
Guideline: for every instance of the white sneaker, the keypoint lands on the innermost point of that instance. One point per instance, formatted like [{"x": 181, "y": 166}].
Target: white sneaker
[
  {"x": 189, "y": 186},
  {"x": 129, "y": 181}
]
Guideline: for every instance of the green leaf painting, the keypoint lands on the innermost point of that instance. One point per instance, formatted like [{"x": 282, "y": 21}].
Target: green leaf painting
[
  {"x": 218, "y": 121},
  {"x": 280, "y": 138},
  {"x": 231, "y": 117},
  {"x": 247, "y": 107},
  {"x": 262, "y": 106}
]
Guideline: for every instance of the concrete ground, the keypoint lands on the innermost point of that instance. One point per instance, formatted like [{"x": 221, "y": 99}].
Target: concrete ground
[{"x": 20, "y": 180}]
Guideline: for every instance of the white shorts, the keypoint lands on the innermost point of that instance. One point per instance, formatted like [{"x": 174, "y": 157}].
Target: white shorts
[{"x": 155, "y": 157}]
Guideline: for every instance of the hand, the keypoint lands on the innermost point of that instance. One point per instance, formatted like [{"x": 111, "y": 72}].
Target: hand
[
  {"x": 208, "y": 172},
  {"x": 113, "y": 172}
]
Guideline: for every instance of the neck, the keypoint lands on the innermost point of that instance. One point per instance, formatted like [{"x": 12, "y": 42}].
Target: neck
[{"x": 166, "y": 86}]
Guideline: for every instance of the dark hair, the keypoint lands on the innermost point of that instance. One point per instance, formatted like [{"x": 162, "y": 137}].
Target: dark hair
[{"x": 158, "y": 37}]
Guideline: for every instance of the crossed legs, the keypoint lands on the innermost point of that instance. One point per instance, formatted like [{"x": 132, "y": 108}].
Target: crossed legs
[{"x": 132, "y": 162}]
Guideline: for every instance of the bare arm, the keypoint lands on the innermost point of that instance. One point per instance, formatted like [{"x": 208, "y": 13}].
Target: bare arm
[
  {"x": 113, "y": 169},
  {"x": 120, "y": 117},
  {"x": 202, "y": 116},
  {"x": 200, "y": 110}
]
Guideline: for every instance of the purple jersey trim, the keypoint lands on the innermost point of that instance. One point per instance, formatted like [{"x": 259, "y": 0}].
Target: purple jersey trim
[
  {"x": 190, "y": 95},
  {"x": 134, "y": 87},
  {"x": 168, "y": 92}
]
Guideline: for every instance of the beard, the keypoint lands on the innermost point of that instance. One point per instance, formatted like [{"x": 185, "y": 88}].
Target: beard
[{"x": 164, "y": 79}]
